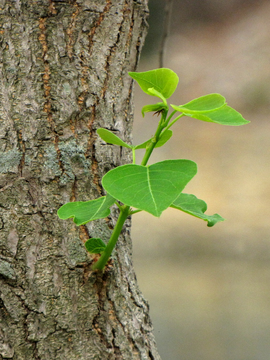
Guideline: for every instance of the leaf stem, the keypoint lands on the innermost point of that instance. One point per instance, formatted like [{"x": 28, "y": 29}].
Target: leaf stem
[
  {"x": 171, "y": 115},
  {"x": 134, "y": 212},
  {"x": 100, "y": 264},
  {"x": 174, "y": 121}
]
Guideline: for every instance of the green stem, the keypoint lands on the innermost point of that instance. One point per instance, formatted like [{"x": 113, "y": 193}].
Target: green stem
[
  {"x": 100, "y": 264},
  {"x": 152, "y": 145},
  {"x": 125, "y": 210},
  {"x": 133, "y": 155}
]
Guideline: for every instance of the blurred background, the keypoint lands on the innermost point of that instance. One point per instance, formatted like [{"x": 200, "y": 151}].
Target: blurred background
[{"x": 209, "y": 288}]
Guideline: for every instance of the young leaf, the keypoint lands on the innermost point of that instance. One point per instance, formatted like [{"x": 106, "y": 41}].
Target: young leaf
[
  {"x": 151, "y": 188},
  {"x": 155, "y": 107},
  {"x": 162, "y": 80},
  {"x": 154, "y": 92},
  {"x": 95, "y": 245},
  {"x": 195, "y": 207},
  {"x": 85, "y": 211},
  {"x": 165, "y": 136},
  {"x": 202, "y": 104},
  {"x": 111, "y": 138}
]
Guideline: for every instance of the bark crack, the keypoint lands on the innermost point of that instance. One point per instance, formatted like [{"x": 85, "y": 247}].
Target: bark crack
[
  {"x": 97, "y": 24},
  {"x": 47, "y": 88},
  {"x": 145, "y": 310},
  {"x": 141, "y": 38},
  {"x": 28, "y": 311},
  {"x": 129, "y": 37},
  {"x": 113, "y": 49},
  {"x": 91, "y": 138},
  {"x": 100, "y": 285},
  {"x": 22, "y": 148},
  {"x": 70, "y": 31},
  {"x": 91, "y": 149},
  {"x": 83, "y": 231}
]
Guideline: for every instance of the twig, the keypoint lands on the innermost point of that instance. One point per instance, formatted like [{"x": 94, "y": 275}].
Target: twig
[{"x": 166, "y": 30}]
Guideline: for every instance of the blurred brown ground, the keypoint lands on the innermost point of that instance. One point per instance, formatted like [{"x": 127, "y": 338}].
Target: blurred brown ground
[{"x": 209, "y": 288}]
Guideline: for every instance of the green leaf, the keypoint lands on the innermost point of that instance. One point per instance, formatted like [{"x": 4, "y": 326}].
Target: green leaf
[
  {"x": 162, "y": 80},
  {"x": 95, "y": 245},
  {"x": 224, "y": 116},
  {"x": 85, "y": 211},
  {"x": 111, "y": 138},
  {"x": 154, "y": 92},
  {"x": 202, "y": 104},
  {"x": 165, "y": 136},
  {"x": 195, "y": 207},
  {"x": 151, "y": 188},
  {"x": 155, "y": 107}
]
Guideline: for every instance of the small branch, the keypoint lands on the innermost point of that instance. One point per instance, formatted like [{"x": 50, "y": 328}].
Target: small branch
[{"x": 165, "y": 34}]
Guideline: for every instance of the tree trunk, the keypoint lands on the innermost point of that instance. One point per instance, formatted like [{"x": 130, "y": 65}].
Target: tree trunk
[{"x": 64, "y": 74}]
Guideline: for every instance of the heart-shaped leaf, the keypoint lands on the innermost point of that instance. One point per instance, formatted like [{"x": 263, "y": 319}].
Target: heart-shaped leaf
[
  {"x": 162, "y": 80},
  {"x": 195, "y": 207},
  {"x": 111, "y": 138},
  {"x": 95, "y": 245},
  {"x": 202, "y": 104},
  {"x": 165, "y": 136},
  {"x": 151, "y": 188},
  {"x": 85, "y": 211}
]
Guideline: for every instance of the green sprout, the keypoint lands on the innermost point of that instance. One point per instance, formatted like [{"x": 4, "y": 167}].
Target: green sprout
[{"x": 152, "y": 188}]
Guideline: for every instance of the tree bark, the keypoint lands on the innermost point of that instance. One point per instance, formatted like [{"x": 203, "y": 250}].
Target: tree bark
[{"x": 63, "y": 74}]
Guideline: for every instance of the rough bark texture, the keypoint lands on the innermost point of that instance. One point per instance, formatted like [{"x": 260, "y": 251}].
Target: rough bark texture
[{"x": 63, "y": 74}]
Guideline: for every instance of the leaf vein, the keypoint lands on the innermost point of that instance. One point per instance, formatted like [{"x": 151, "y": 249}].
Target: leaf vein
[{"x": 150, "y": 189}]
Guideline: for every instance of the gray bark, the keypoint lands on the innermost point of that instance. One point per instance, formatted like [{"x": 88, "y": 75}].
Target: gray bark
[{"x": 63, "y": 74}]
